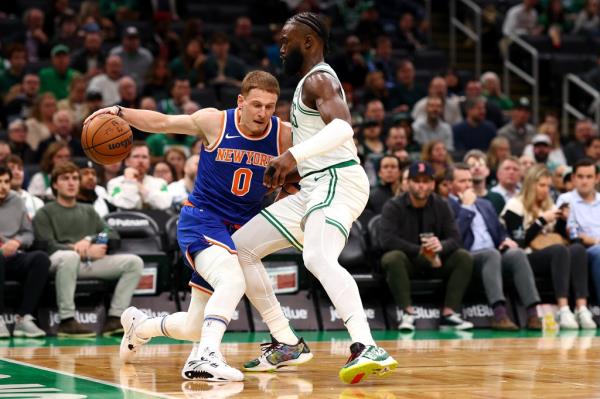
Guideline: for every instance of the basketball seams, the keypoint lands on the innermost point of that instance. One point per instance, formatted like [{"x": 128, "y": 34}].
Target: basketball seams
[
  {"x": 97, "y": 129},
  {"x": 93, "y": 150}
]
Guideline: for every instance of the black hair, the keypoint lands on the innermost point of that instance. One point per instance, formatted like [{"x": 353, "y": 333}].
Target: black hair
[
  {"x": 316, "y": 24},
  {"x": 583, "y": 163},
  {"x": 5, "y": 170}
]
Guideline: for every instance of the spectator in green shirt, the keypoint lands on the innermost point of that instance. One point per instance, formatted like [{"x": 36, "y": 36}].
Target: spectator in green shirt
[{"x": 57, "y": 77}]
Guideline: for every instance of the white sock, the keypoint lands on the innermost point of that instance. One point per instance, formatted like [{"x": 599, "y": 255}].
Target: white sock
[
  {"x": 212, "y": 333},
  {"x": 181, "y": 325},
  {"x": 279, "y": 326}
]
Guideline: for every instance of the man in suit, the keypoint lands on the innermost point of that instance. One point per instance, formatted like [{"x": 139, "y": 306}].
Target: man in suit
[{"x": 494, "y": 254}]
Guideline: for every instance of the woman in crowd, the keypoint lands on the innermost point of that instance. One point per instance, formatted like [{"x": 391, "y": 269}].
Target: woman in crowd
[
  {"x": 176, "y": 156},
  {"x": 56, "y": 154},
  {"x": 40, "y": 124},
  {"x": 498, "y": 151},
  {"x": 533, "y": 220},
  {"x": 165, "y": 171},
  {"x": 436, "y": 153}
]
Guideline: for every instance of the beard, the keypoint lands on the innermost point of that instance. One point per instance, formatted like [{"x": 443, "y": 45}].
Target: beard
[{"x": 292, "y": 63}]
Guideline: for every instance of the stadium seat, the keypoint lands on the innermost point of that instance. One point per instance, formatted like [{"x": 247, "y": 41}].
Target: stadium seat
[
  {"x": 355, "y": 259},
  {"x": 172, "y": 248},
  {"x": 140, "y": 235}
]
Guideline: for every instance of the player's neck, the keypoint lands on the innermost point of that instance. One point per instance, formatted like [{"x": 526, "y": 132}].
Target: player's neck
[{"x": 310, "y": 62}]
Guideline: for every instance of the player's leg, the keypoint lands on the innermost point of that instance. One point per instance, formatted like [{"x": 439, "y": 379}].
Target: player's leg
[
  {"x": 139, "y": 328},
  {"x": 323, "y": 243},
  {"x": 336, "y": 197},
  {"x": 219, "y": 266},
  {"x": 261, "y": 236}
]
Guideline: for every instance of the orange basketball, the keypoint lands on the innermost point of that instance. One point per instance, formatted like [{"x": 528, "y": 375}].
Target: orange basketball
[{"x": 107, "y": 139}]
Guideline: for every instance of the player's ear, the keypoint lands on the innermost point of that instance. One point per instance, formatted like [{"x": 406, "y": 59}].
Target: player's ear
[
  {"x": 240, "y": 101},
  {"x": 308, "y": 41}
]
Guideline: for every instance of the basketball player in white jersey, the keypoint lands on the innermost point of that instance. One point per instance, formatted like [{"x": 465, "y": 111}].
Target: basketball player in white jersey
[{"x": 316, "y": 220}]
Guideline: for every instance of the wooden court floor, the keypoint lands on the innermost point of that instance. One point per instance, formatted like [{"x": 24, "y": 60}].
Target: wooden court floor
[{"x": 564, "y": 366}]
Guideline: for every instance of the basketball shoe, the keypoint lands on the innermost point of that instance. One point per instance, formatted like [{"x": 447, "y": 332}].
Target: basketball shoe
[
  {"x": 364, "y": 361},
  {"x": 208, "y": 365},
  {"x": 130, "y": 319},
  {"x": 276, "y": 354}
]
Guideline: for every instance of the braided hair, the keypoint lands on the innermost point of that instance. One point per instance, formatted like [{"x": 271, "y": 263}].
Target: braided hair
[{"x": 315, "y": 23}]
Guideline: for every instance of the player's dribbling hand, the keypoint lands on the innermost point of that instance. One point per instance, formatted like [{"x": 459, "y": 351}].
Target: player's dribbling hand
[
  {"x": 114, "y": 110},
  {"x": 278, "y": 169}
]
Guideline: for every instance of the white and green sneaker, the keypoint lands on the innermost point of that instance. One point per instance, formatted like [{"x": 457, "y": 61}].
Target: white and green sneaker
[
  {"x": 276, "y": 355},
  {"x": 364, "y": 361}
]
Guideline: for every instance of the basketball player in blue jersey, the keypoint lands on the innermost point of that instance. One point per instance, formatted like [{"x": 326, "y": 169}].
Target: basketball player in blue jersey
[
  {"x": 237, "y": 146},
  {"x": 334, "y": 191}
]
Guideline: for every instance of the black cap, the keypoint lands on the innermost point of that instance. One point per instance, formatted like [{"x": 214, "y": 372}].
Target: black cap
[
  {"x": 83, "y": 163},
  {"x": 420, "y": 169}
]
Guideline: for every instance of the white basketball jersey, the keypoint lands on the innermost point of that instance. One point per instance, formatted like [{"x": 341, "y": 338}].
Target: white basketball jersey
[{"x": 306, "y": 122}]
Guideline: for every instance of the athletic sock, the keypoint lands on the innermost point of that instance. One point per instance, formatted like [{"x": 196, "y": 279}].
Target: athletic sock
[
  {"x": 359, "y": 330},
  {"x": 499, "y": 311},
  {"x": 213, "y": 329},
  {"x": 279, "y": 325},
  {"x": 151, "y": 328}
]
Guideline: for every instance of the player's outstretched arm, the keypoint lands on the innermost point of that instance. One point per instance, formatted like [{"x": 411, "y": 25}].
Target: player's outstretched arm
[
  {"x": 198, "y": 124},
  {"x": 326, "y": 93}
]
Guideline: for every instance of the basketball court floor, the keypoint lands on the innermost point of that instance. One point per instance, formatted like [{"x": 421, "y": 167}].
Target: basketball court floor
[{"x": 481, "y": 364}]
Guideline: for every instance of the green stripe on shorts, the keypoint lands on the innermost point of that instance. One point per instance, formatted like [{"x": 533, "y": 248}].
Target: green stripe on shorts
[
  {"x": 330, "y": 194},
  {"x": 281, "y": 228},
  {"x": 337, "y": 224}
]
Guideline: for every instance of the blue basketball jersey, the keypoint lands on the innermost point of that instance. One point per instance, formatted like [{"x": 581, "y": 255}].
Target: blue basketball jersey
[{"x": 230, "y": 172}]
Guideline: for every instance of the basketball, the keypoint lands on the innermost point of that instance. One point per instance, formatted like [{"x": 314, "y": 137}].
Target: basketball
[{"x": 107, "y": 139}]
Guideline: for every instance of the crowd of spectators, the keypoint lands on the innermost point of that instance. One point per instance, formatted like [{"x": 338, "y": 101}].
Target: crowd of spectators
[{"x": 459, "y": 157}]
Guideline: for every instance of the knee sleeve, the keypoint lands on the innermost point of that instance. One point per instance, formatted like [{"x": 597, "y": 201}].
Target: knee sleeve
[{"x": 222, "y": 270}]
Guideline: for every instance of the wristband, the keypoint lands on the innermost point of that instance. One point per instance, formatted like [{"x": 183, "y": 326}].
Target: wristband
[{"x": 119, "y": 110}]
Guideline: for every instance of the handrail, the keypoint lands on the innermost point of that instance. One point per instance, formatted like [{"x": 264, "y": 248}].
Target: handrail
[
  {"x": 568, "y": 109},
  {"x": 474, "y": 35},
  {"x": 532, "y": 79}
]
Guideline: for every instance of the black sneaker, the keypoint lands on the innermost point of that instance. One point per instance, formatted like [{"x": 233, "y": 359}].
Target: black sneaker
[
  {"x": 454, "y": 322},
  {"x": 72, "y": 328},
  {"x": 112, "y": 326}
]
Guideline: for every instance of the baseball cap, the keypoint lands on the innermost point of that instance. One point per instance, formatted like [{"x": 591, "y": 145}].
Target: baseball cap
[
  {"x": 567, "y": 174},
  {"x": 58, "y": 49},
  {"x": 541, "y": 139},
  {"x": 523, "y": 103},
  {"x": 420, "y": 168},
  {"x": 83, "y": 163},
  {"x": 131, "y": 31}
]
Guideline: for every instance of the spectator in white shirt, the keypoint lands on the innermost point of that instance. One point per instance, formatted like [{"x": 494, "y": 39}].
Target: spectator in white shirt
[
  {"x": 180, "y": 189},
  {"x": 32, "y": 203},
  {"x": 108, "y": 83},
  {"x": 451, "y": 108},
  {"x": 136, "y": 189},
  {"x": 509, "y": 178}
]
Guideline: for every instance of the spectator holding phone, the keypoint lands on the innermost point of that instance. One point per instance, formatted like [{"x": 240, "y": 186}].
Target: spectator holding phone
[{"x": 538, "y": 225}]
